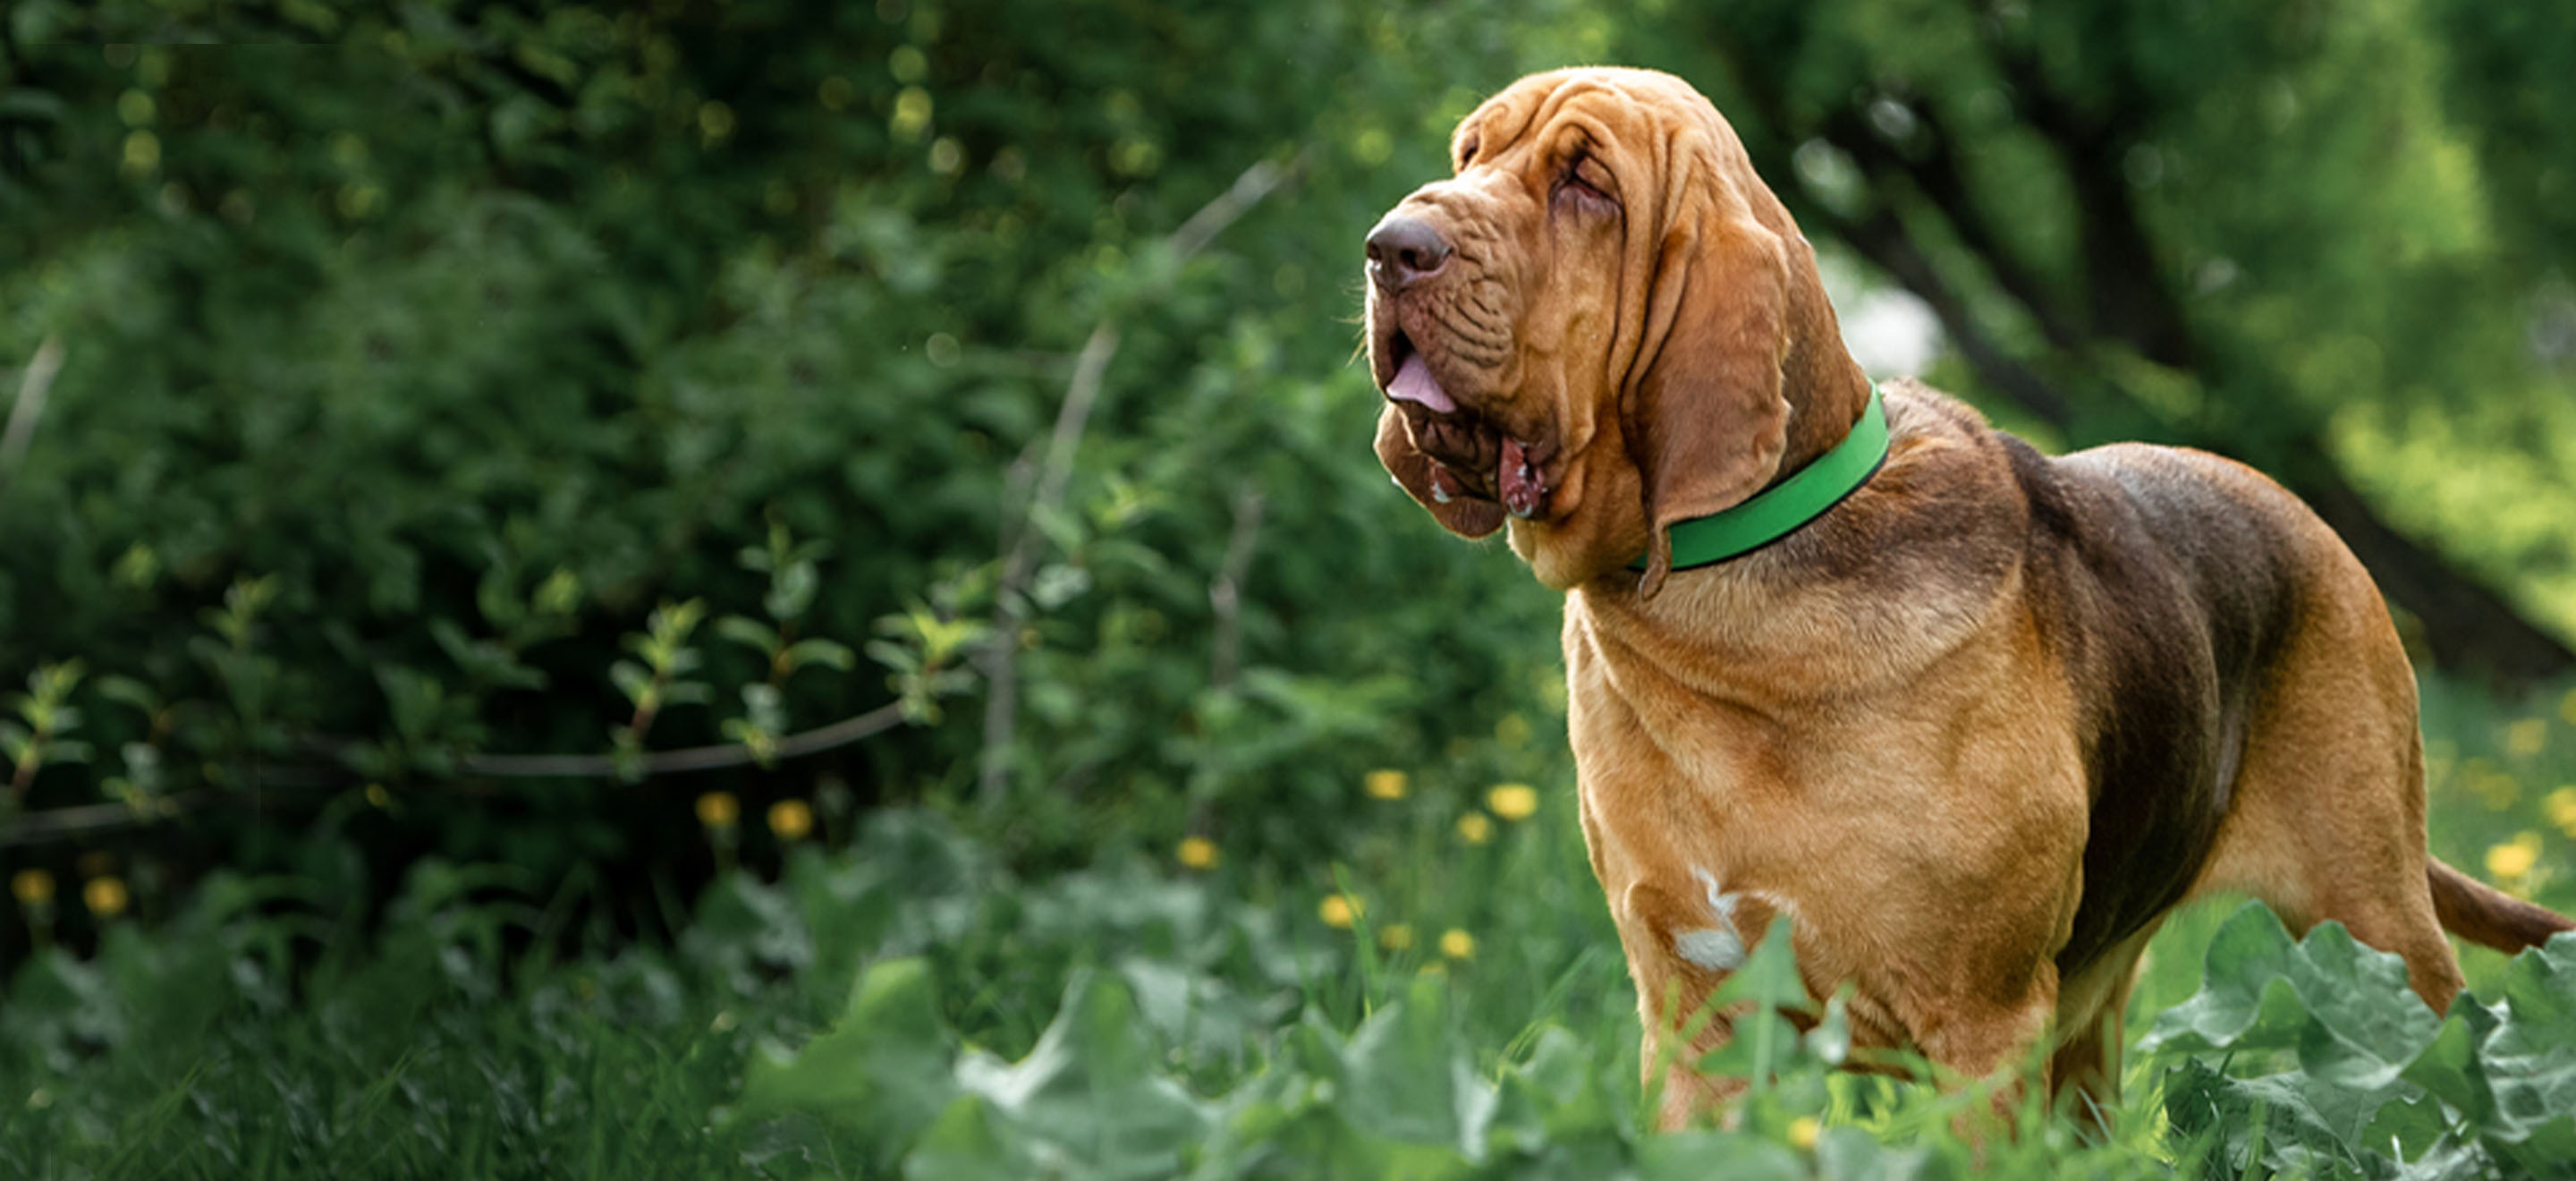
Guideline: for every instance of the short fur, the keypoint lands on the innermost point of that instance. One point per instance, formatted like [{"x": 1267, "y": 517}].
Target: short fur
[{"x": 1978, "y": 728}]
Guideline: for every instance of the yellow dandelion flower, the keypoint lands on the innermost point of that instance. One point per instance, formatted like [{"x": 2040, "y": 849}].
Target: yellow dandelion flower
[
  {"x": 2567, "y": 708},
  {"x": 2526, "y": 736},
  {"x": 1197, "y": 852},
  {"x": 32, "y": 886},
  {"x": 1339, "y": 911},
  {"x": 105, "y": 896},
  {"x": 1513, "y": 801},
  {"x": 1802, "y": 1131},
  {"x": 1386, "y": 784},
  {"x": 1475, "y": 828},
  {"x": 791, "y": 819},
  {"x": 1512, "y": 730},
  {"x": 2560, "y": 805},
  {"x": 1457, "y": 944},
  {"x": 2514, "y": 858},
  {"x": 1395, "y": 936},
  {"x": 718, "y": 809}
]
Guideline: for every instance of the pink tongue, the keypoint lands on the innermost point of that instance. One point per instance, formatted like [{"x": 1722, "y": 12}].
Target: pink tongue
[{"x": 1414, "y": 383}]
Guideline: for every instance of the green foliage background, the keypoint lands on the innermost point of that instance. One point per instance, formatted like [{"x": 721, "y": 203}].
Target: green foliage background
[{"x": 415, "y": 386}]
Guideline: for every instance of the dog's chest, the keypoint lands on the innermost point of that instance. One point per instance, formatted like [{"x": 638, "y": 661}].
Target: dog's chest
[{"x": 1864, "y": 820}]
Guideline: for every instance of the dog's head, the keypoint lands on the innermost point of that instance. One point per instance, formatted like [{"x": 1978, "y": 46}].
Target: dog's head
[{"x": 1604, "y": 323}]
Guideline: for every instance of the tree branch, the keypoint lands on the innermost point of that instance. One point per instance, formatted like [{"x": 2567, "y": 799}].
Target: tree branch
[
  {"x": 1082, "y": 391},
  {"x": 1225, "y": 591},
  {"x": 33, "y": 384},
  {"x": 54, "y": 824}
]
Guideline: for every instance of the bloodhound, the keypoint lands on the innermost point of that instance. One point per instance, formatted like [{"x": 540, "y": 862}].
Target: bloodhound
[{"x": 1973, "y": 717}]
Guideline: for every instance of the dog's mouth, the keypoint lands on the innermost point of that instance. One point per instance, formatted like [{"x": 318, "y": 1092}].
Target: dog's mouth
[
  {"x": 1413, "y": 380},
  {"x": 1472, "y": 456}
]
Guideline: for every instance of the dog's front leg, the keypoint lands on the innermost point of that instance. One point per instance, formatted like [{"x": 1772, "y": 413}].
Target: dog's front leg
[
  {"x": 1978, "y": 1017},
  {"x": 1680, "y": 950}
]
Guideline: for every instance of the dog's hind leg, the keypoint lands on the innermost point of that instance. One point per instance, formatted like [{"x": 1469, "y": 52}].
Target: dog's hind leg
[{"x": 2327, "y": 817}]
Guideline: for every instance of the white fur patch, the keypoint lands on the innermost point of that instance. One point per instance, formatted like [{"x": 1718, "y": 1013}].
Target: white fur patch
[{"x": 1719, "y": 948}]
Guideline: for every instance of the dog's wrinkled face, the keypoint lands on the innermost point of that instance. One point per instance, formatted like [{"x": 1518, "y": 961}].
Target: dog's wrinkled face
[
  {"x": 1467, "y": 334},
  {"x": 1596, "y": 270}
]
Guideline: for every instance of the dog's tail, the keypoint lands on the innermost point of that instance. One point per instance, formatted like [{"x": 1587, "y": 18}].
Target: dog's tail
[{"x": 2480, "y": 913}]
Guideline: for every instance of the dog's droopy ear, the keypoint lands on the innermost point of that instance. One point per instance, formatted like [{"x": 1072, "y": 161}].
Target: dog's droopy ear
[
  {"x": 1424, "y": 481},
  {"x": 1706, "y": 421}
]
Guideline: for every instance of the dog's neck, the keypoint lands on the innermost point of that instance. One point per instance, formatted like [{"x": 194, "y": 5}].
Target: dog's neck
[
  {"x": 1827, "y": 392},
  {"x": 1861, "y": 599},
  {"x": 1747, "y": 621}
]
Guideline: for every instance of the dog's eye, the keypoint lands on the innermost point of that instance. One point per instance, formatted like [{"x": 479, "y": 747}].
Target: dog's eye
[
  {"x": 1467, "y": 152},
  {"x": 1588, "y": 182}
]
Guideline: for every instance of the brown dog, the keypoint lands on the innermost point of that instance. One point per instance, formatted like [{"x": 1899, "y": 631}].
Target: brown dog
[{"x": 1978, "y": 726}]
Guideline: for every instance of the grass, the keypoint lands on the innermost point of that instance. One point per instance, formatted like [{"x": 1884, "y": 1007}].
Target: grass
[{"x": 1444, "y": 999}]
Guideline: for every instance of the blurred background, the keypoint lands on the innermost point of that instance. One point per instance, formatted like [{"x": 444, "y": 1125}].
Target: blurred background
[{"x": 619, "y": 445}]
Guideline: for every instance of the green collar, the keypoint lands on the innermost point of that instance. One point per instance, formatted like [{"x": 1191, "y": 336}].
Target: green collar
[{"x": 1790, "y": 504}]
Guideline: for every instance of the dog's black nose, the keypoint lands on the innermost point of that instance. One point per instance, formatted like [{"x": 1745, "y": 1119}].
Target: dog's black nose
[{"x": 1404, "y": 250}]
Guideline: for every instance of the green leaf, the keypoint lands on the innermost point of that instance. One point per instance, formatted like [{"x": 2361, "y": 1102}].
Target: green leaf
[
  {"x": 2413, "y": 1125},
  {"x": 1698, "y": 1156},
  {"x": 496, "y": 595},
  {"x": 1852, "y": 1154},
  {"x": 1093, "y": 1088},
  {"x": 883, "y": 1070},
  {"x": 1400, "y": 1079},
  {"x": 631, "y": 680},
  {"x": 791, "y": 591},
  {"x": 748, "y": 632},
  {"x": 1830, "y": 1042},
  {"x": 131, "y": 692},
  {"x": 2249, "y": 952},
  {"x": 1770, "y": 976},
  {"x": 2343, "y": 1007},
  {"x": 1557, "y": 1094},
  {"x": 2483, "y": 1090},
  {"x": 2449, "y": 1068},
  {"x": 2368, "y": 1023},
  {"x": 971, "y": 1142},
  {"x": 559, "y": 594},
  {"x": 414, "y": 698},
  {"x": 828, "y": 653},
  {"x": 484, "y": 660},
  {"x": 687, "y": 693},
  {"x": 2530, "y": 1059}
]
